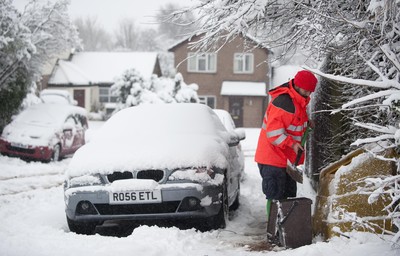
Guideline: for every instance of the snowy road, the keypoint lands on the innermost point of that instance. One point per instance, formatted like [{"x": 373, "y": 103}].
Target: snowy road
[
  {"x": 33, "y": 221},
  {"x": 17, "y": 176}
]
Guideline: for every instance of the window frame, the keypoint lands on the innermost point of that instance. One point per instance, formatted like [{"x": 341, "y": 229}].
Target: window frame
[
  {"x": 204, "y": 99},
  {"x": 110, "y": 98},
  {"x": 194, "y": 62},
  {"x": 241, "y": 61}
]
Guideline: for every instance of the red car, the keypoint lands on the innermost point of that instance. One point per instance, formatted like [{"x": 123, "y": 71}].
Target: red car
[{"x": 45, "y": 132}]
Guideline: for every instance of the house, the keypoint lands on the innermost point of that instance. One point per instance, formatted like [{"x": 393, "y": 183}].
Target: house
[
  {"x": 88, "y": 76},
  {"x": 235, "y": 78}
]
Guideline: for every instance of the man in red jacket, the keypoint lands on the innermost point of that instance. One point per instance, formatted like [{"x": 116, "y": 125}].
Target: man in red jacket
[{"x": 284, "y": 123}]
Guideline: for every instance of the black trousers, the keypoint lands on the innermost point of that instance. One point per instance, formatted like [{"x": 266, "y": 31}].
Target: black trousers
[{"x": 276, "y": 183}]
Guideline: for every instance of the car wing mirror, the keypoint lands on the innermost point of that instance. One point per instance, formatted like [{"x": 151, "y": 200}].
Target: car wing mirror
[
  {"x": 67, "y": 127},
  {"x": 236, "y": 136},
  {"x": 241, "y": 133},
  {"x": 233, "y": 141}
]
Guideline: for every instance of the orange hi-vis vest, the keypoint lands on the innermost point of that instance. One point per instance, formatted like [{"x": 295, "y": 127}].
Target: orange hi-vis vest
[{"x": 284, "y": 123}]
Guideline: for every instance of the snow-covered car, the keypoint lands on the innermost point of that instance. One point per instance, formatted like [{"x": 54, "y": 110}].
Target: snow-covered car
[
  {"x": 155, "y": 162},
  {"x": 45, "y": 132},
  {"x": 57, "y": 96},
  {"x": 229, "y": 124}
]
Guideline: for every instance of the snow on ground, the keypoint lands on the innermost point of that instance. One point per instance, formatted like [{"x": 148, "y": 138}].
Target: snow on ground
[{"x": 33, "y": 221}]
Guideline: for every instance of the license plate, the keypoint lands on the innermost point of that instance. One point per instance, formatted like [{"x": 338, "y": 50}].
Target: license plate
[
  {"x": 136, "y": 197},
  {"x": 18, "y": 145}
]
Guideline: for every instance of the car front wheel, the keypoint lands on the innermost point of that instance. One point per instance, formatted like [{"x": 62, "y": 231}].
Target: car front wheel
[
  {"x": 56, "y": 153},
  {"x": 84, "y": 228},
  {"x": 236, "y": 203},
  {"x": 219, "y": 220}
]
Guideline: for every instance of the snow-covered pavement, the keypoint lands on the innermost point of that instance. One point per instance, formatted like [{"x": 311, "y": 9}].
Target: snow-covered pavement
[{"x": 33, "y": 221}]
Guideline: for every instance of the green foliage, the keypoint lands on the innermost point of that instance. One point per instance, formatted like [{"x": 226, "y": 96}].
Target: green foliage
[{"x": 12, "y": 97}]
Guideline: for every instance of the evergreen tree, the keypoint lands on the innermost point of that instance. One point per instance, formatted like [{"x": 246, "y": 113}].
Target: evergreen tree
[
  {"x": 12, "y": 96},
  {"x": 27, "y": 41}
]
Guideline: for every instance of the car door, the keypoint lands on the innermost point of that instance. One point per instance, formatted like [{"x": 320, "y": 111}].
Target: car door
[
  {"x": 234, "y": 161},
  {"x": 68, "y": 135},
  {"x": 81, "y": 127},
  {"x": 72, "y": 136}
]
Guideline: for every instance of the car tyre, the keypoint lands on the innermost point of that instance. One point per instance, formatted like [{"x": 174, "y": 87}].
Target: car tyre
[
  {"x": 236, "y": 203},
  {"x": 56, "y": 153},
  {"x": 83, "y": 228},
  {"x": 220, "y": 220}
]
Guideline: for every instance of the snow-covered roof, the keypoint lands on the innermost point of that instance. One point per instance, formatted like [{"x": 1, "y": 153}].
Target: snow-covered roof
[
  {"x": 178, "y": 42},
  {"x": 101, "y": 67},
  {"x": 189, "y": 39},
  {"x": 243, "y": 88}
]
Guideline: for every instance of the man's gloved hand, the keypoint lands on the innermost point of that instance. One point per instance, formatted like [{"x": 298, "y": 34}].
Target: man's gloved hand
[{"x": 296, "y": 147}]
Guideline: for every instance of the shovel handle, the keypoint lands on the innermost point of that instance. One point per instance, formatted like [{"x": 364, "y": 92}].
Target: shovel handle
[
  {"x": 298, "y": 156},
  {"x": 303, "y": 142}
]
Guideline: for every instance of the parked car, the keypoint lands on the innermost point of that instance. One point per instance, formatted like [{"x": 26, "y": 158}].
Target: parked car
[
  {"x": 45, "y": 132},
  {"x": 57, "y": 96},
  {"x": 155, "y": 162},
  {"x": 229, "y": 124}
]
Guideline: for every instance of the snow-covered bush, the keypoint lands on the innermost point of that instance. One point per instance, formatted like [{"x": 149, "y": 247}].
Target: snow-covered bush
[{"x": 132, "y": 90}]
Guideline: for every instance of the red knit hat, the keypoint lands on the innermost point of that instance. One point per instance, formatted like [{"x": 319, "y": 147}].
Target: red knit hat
[{"x": 305, "y": 80}]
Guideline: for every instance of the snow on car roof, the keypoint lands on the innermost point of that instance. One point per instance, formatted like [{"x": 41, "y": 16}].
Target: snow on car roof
[
  {"x": 225, "y": 118},
  {"x": 56, "y": 96},
  {"x": 154, "y": 136},
  {"x": 47, "y": 114},
  {"x": 55, "y": 92}
]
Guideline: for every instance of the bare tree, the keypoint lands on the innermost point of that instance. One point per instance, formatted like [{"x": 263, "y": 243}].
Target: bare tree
[
  {"x": 149, "y": 40},
  {"x": 127, "y": 35},
  {"x": 94, "y": 36},
  {"x": 173, "y": 25}
]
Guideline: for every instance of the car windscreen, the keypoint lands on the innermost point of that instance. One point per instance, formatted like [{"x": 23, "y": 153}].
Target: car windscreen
[
  {"x": 42, "y": 114},
  {"x": 54, "y": 98},
  {"x": 165, "y": 119}
]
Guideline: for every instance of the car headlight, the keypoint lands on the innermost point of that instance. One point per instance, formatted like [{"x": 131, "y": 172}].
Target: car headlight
[
  {"x": 85, "y": 180},
  {"x": 200, "y": 175}
]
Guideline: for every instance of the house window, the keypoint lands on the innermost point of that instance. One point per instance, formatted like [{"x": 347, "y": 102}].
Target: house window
[
  {"x": 208, "y": 100},
  {"x": 204, "y": 62},
  {"x": 105, "y": 95},
  {"x": 243, "y": 63}
]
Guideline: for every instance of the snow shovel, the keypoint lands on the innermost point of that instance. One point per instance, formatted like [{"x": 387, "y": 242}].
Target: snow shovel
[{"x": 291, "y": 169}]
